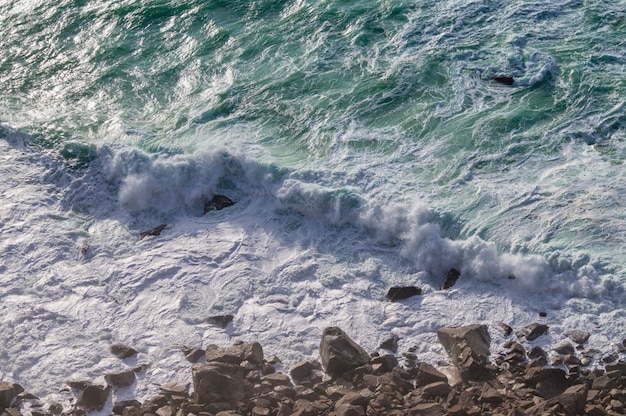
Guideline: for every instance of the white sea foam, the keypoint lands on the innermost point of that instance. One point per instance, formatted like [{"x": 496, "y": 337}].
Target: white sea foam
[{"x": 288, "y": 259}]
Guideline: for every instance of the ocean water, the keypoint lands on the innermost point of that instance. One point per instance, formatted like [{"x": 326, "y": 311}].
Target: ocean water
[{"x": 365, "y": 144}]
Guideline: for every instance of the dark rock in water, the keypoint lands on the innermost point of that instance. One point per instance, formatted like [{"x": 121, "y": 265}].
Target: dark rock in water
[
  {"x": 563, "y": 347},
  {"x": 339, "y": 353},
  {"x": 578, "y": 335},
  {"x": 533, "y": 331},
  {"x": 220, "y": 320},
  {"x": 390, "y": 344},
  {"x": 156, "y": 231},
  {"x": 403, "y": 292},
  {"x": 301, "y": 370},
  {"x": 543, "y": 314},
  {"x": 504, "y": 79},
  {"x": 468, "y": 348},
  {"x": 218, "y": 202},
  {"x": 236, "y": 354},
  {"x": 451, "y": 278},
  {"x": 122, "y": 351},
  {"x": 506, "y": 328},
  {"x": 193, "y": 354},
  {"x": 8, "y": 391},
  {"x": 121, "y": 379},
  {"x": 93, "y": 397}
]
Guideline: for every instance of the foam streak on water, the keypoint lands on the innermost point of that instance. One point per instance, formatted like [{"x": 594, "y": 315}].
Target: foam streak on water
[{"x": 365, "y": 144}]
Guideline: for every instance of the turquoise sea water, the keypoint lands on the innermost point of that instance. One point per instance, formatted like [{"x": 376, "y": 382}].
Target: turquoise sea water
[{"x": 363, "y": 142}]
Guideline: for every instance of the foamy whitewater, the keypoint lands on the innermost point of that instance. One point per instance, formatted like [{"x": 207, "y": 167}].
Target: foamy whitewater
[{"x": 366, "y": 146}]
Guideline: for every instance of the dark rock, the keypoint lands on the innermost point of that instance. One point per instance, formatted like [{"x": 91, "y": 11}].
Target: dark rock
[
  {"x": 301, "y": 370},
  {"x": 55, "y": 408},
  {"x": 276, "y": 379},
  {"x": 578, "y": 335},
  {"x": 156, "y": 231},
  {"x": 563, "y": 347},
  {"x": 450, "y": 279},
  {"x": 93, "y": 397},
  {"x": 436, "y": 389},
  {"x": 427, "y": 374},
  {"x": 572, "y": 401},
  {"x": 504, "y": 79},
  {"x": 533, "y": 331},
  {"x": 390, "y": 344},
  {"x": 8, "y": 391},
  {"x": 543, "y": 314},
  {"x": 122, "y": 351},
  {"x": 12, "y": 411},
  {"x": 218, "y": 202},
  {"x": 549, "y": 382},
  {"x": 193, "y": 354},
  {"x": 217, "y": 382},
  {"x": 427, "y": 409},
  {"x": 175, "y": 388},
  {"x": 468, "y": 348},
  {"x": 220, "y": 320},
  {"x": 506, "y": 328},
  {"x": 537, "y": 352},
  {"x": 236, "y": 354},
  {"x": 339, "y": 353},
  {"x": 121, "y": 379},
  {"x": 384, "y": 363},
  {"x": 604, "y": 383},
  {"x": 403, "y": 292},
  {"x": 118, "y": 407}
]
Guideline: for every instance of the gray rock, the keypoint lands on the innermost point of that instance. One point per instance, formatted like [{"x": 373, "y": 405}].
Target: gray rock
[
  {"x": 563, "y": 347},
  {"x": 436, "y": 389},
  {"x": 8, "y": 391},
  {"x": 450, "y": 279},
  {"x": 121, "y": 379},
  {"x": 390, "y": 344},
  {"x": 122, "y": 351},
  {"x": 427, "y": 374},
  {"x": 533, "y": 331},
  {"x": 339, "y": 353},
  {"x": 578, "y": 335},
  {"x": 216, "y": 382},
  {"x": 301, "y": 370},
  {"x": 236, "y": 354},
  {"x": 468, "y": 348},
  {"x": 93, "y": 397},
  {"x": 403, "y": 292}
]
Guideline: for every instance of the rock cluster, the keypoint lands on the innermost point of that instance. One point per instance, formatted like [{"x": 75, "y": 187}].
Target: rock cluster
[{"x": 241, "y": 380}]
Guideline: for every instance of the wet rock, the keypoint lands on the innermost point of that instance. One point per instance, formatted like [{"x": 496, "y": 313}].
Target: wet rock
[
  {"x": 506, "y": 328},
  {"x": 390, "y": 344},
  {"x": 403, "y": 292},
  {"x": 121, "y": 379},
  {"x": 122, "y": 351},
  {"x": 504, "y": 79},
  {"x": 8, "y": 391},
  {"x": 216, "y": 382},
  {"x": 93, "y": 397},
  {"x": 450, "y": 279},
  {"x": 563, "y": 347},
  {"x": 156, "y": 231},
  {"x": 468, "y": 348},
  {"x": 533, "y": 331},
  {"x": 193, "y": 354},
  {"x": 217, "y": 203},
  {"x": 339, "y": 353},
  {"x": 220, "y": 320}
]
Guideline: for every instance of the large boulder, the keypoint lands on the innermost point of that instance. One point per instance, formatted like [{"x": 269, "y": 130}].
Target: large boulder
[
  {"x": 468, "y": 347},
  {"x": 217, "y": 382},
  {"x": 8, "y": 391},
  {"x": 236, "y": 354},
  {"x": 93, "y": 397},
  {"x": 339, "y": 353}
]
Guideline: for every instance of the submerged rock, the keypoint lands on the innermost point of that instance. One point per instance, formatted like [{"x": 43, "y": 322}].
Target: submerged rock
[
  {"x": 220, "y": 320},
  {"x": 450, "y": 279},
  {"x": 403, "y": 292},
  {"x": 218, "y": 202},
  {"x": 156, "y": 231},
  {"x": 122, "y": 351},
  {"x": 93, "y": 397},
  {"x": 533, "y": 331},
  {"x": 504, "y": 79}
]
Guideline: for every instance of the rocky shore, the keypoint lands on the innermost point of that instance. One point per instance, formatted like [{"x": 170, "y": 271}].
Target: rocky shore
[{"x": 347, "y": 381}]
